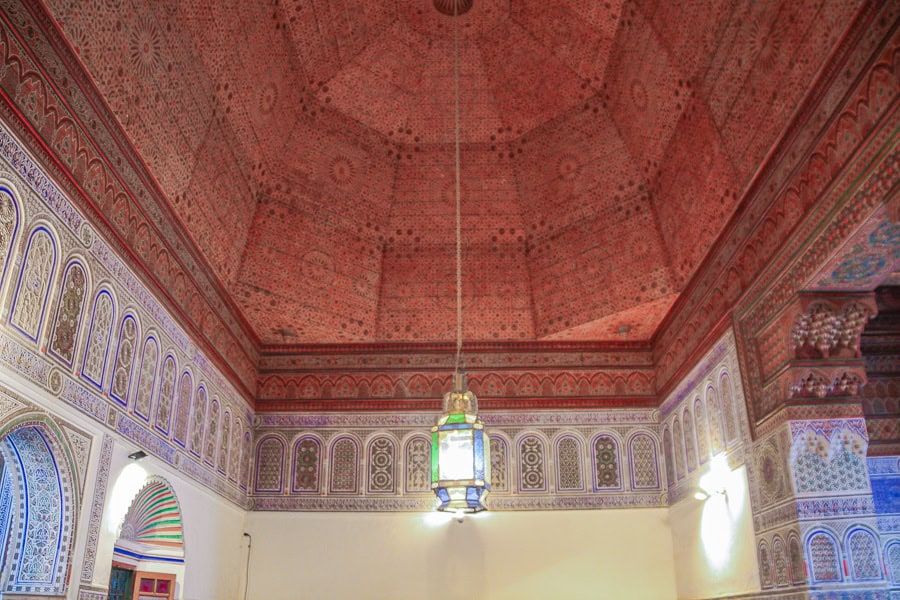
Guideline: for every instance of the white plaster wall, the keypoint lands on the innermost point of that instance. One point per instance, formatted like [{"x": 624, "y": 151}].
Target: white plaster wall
[
  {"x": 617, "y": 554},
  {"x": 714, "y": 543}
]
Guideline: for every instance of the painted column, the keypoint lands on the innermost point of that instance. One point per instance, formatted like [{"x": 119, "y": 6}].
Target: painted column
[{"x": 814, "y": 516}]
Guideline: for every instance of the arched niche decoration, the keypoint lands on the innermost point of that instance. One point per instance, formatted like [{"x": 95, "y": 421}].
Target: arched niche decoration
[
  {"x": 569, "y": 462},
  {"x": 381, "y": 477},
  {"x": 306, "y": 465},
  {"x": 644, "y": 461},
  {"x": 417, "y": 462},
  {"x": 9, "y": 227},
  {"x": 152, "y": 530},
  {"x": 501, "y": 474},
  {"x": 270, "y": 452},
  {"x": 607, "y": 462},
  {"x": 42, "y": 475},
  {"x": 66, "y": 324},
  {"x": 35, "y": 280}
]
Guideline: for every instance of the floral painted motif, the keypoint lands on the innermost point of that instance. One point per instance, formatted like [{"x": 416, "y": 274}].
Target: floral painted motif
[
  {"x": 146, "y": 378},
  {"x": 68, "y": 314},
  {"x": 121, "y": 379},
  {"x": 166, "y": 395}
]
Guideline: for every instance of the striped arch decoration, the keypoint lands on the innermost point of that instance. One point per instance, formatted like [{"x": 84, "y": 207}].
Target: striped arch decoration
[
  {"x": 152, "y": 528},
  {"x": 9, "y": 226},
  {"x": 93, "y": 364},
  {"x": 33, "y": 287},
  {"x": 69, "y": 309}
]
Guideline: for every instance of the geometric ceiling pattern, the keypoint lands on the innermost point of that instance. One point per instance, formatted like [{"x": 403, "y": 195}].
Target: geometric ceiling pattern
[{"x": 307, "y": 148}]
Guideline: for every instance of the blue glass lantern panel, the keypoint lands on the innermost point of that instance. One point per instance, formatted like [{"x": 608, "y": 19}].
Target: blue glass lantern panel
[{"x": 479, "y": 454}]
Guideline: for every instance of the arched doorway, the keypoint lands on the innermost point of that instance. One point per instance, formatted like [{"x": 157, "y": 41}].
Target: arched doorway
[
  {"x": 37, "y": 508},
  {"x": 148, "y": 556}
]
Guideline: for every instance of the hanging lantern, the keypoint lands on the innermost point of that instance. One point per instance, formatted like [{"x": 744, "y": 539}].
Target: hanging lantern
[{"x": 460, "y": 452}]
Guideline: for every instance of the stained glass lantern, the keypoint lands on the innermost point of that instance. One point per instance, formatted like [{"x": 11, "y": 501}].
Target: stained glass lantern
[{"x": 460, "y": 453}]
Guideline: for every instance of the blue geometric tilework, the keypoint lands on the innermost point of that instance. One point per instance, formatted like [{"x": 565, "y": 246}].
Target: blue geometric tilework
[
  {"x": 43, "y": 510},
  {"x": 6, "y": 499},
  {"x": 886, "y": 494}
]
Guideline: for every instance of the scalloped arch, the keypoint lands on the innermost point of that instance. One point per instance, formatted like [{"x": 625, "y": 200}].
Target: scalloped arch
[{"x": 154, "y": 517}]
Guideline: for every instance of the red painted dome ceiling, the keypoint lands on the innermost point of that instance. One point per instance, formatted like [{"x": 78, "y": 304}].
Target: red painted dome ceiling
[{"x": 306, "y": 146}]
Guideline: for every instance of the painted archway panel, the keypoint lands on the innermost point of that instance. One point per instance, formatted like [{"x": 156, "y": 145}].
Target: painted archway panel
[
  {"x": 43, "y": 524},
  {"x": 154, "y": 517}
]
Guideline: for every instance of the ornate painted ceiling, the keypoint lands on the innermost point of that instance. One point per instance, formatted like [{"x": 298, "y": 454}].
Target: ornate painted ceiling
[{"x": 305, "y": 146}]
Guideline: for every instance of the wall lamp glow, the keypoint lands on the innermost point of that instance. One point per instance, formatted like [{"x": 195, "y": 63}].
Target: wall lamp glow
[
  {"x": 137, "y": 455},
  {"x": 715, "y": 480}
]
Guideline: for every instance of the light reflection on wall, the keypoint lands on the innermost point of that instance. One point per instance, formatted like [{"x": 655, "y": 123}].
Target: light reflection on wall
[
  {"x": 128, "y": 484},
  {"x": 722, "y": 509}
]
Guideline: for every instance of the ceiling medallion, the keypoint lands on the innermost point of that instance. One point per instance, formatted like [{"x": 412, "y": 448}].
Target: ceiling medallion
[{"x": 453, "y": 7}]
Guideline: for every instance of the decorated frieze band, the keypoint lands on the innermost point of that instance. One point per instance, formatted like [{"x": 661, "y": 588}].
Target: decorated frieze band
[
  {"x": 633, "y": 386},
  {"x": 538, "y": 461},
  {"x": 440, "y": 356}
]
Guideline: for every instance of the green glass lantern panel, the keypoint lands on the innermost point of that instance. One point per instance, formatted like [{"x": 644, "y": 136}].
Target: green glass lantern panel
[{"x": 434, "y": 457}]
